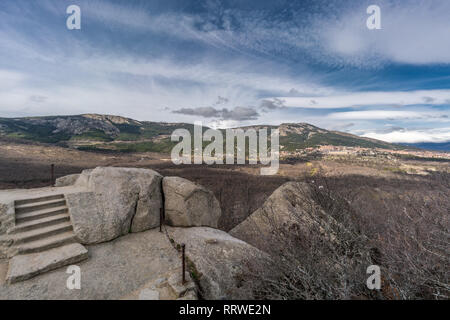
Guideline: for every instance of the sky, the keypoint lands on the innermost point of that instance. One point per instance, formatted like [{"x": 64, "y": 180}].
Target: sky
[{"x": 234, "y": 63}]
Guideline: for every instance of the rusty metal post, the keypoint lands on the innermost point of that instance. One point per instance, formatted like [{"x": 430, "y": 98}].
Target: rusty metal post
[
  {"x": 52, "y": 169},
  {"x": 183, "y": 247}
]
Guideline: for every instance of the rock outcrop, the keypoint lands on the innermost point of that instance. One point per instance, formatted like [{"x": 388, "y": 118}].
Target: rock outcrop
[
  {"x": 65, "y": 181},
  {"x": 290, "y": 207},
  {"x": 117, "y": 201},
  {"x": 187, "y": 204},
  {"x": 219, "y": 260}
]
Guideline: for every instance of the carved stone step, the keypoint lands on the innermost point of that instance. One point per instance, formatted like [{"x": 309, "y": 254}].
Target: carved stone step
[
  {"x": 40, "y": 205},
  {"x": 40, "y": 223},
  {"x": 42, "y": 233},
  {"x": 23, "y": 217},
  {"x": 23, "y": 267},
  {"x": 40, "y": 199},
  {"x": 45, "y": 244}
]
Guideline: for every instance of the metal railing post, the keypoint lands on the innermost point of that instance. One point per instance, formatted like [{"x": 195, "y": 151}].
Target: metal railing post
[{"x": 52, "y": 170}]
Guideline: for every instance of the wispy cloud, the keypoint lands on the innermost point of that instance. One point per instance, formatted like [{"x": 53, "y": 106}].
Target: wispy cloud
[
  {"x": 412, "y": 32},
  {"x": 354, "y": 99},
  {"x": 412, "y": 136},
  {"x": 389, "y": 115}
]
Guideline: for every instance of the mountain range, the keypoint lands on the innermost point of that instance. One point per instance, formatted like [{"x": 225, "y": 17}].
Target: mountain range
[
  {"x": 95, "y": 132},
  {"x": 436, "y": 146}
]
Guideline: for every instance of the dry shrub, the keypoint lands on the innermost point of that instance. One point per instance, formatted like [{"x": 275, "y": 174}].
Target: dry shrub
[
  {"x": 402, "y": 226},
  {"x": 318, "y": 255}
]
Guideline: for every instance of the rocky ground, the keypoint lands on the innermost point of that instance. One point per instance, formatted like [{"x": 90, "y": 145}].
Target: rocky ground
[{"x": 118, "y": 269}]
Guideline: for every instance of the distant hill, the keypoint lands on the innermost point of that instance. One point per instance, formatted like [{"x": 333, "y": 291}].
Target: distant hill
[
  {"x": 444, "y": 146},
  {"x": 94, "y": 132}
]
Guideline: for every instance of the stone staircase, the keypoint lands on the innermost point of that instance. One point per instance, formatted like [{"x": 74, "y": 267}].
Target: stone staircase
[{"x": 43, "y": 238}]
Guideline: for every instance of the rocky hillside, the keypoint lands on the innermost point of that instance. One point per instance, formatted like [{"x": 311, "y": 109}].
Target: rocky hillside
[{"x": 93, "y": 132}]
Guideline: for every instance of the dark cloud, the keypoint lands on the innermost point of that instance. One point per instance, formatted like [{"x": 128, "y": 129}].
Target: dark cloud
[
  {"x": 238, "y": 113},
  {"x": 221, "y": 100},
  {"x": 272, "y": 104},
  {"x": 207, "y": 112},
  {"x": 428, "y": 99}
]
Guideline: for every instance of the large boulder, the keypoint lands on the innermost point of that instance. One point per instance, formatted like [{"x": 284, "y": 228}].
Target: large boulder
[
  {"x": 291, "y": 207},
  {"x": 187, "y": 204},
  {"x": 220, "y": 262},
  {"x": 117, "y": 201},
  {"x": 88, "y": 223}
]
